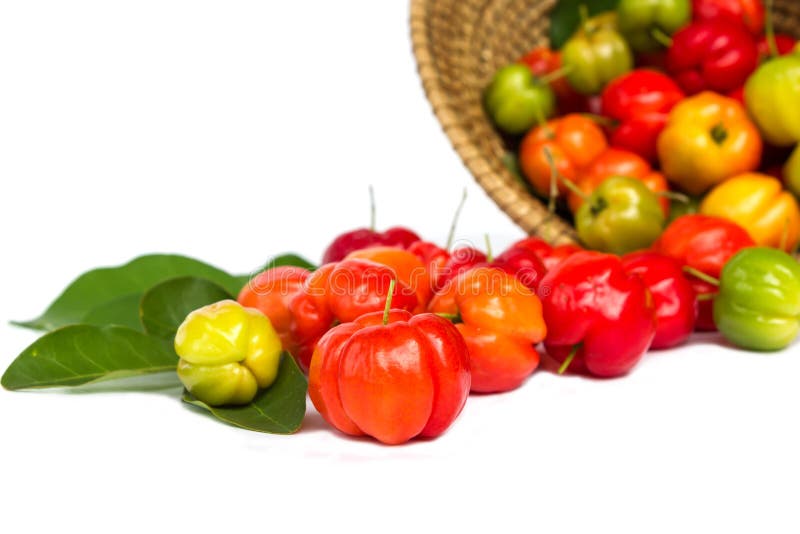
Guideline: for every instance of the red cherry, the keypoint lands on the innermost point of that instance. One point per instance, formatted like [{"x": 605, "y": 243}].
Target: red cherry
[
  {"x": 398, "y": 236},
  {"x": 461, "y": 260},
  {"x": 364, "y": 238},
  {"x": 522, "y": 263}
]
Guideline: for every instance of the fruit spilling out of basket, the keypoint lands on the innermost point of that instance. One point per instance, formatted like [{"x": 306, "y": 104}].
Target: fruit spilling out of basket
[{"x": 658, "y": 109}]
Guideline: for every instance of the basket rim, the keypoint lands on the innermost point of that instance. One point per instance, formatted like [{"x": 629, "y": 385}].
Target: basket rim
[{"x": 514, "y": 200}]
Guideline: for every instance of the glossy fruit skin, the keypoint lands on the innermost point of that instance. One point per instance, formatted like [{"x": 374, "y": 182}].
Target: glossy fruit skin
[
  {"x": 759, "y": 204},
  {"x": 227, "y": 353},
  {"x": 791, "y": 172},
  {"x": 408, "y": 269},
  {"x": 572, "y": 140},
  {"x": 595, "y": 55},
  {"x": 311, "y": 315},
  {"x": 708, "y": 138},
  {"x": 271, "y": 292},
  {"x": 673, "y": 296},
  {"x": 618, "y": 162},
  {"x": 364, "y": 238},
  {"x": 640, "y": 101},
  {"x": 522, "y": 263},
  {"x": 515, "y": 100},
  {"x": 461, "y": 260},
  {"x": 621, "y": 215},
  {"x": 711, "y": 56},
  {"x": 749, "y": 13},
  {"x": 548, "y": 254},
  {"x": 758, "y": 304},
  {"x": 433, "y": 257},
  {"x": 559, "y": 254},
  {"x": 771, "y": 95},
  {"x": 358, "y": 286},
  {"x": 639, "y": 18},
  {"x": 592, "y": 303},
  {"x": 704, "y": 243},
  {"x": 501, "y": 321},
  {"x": 341, "y": 292},
  {"x": 541, "y": 61},
  {"x": 393, "y": 382}
]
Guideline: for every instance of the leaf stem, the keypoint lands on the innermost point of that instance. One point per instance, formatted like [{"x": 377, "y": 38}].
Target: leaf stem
[
  {"x": 556, "y": 74},
  {"x": 569, "y": 184},
  {"x": 701, "y": 275},
  {"x": 454, "y": 317},
  {"x": 583, "y": 13},
  {"x": 570, "y": 357},
  {"x": 388, "y": 306},
  {"x": 661, "y": 37},
  {"x": 551, "y": 202},
  {"x": 371, "y": 208},
  {"x": 770, "y": 29},
  {"x": 541, "y": 121},
  {"x": 601, "y": 120},
  {"x": 674, "y": 195},
  {"x": 452, "y": 234}
]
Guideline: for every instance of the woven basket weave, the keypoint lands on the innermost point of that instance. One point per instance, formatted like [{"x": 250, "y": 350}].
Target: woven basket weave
[{"x": 459, "y": 44}]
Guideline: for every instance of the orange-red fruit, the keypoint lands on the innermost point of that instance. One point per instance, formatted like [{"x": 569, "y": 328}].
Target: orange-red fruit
[
  {"x": 501, "y": 323},
  {"x": 395, "y": 381},
  {"x": 271, "y": 293}
]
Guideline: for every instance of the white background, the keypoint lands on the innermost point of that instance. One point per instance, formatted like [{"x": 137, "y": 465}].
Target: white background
[{"x": 232, "y": 131}]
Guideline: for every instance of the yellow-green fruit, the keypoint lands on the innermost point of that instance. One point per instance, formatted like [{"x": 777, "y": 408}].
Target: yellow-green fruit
[{"x": 227, "y": 353}]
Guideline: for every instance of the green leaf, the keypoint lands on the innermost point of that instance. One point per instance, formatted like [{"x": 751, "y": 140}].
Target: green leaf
[
  {"x": 279, "y": 261},
  {"x": 290, "y": 259},
  {"x": 278, "y": 409},
  {"x": 123, "y": 311},
  {"x": 565, "y": 17},
  {"x": 99, "y": 287},
  {"x": 80, "y": 354},
  {"x": 164, "y": 307}
]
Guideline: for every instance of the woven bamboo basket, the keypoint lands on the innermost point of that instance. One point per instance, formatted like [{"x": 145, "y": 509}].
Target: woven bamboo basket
[{"x": 459, "y": 44}]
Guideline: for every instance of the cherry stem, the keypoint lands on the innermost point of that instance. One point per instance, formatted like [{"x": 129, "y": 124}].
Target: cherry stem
[
  {"x": 702, "y": 297},
  {"x": 371, "y": 208},
  {"x": 674, "y": 195},
  {"x": 661, "y": 37},
  {"x": 701, "y": 275},
  {"x": 719, "y": 134},
  {"x": 770, "y": 29},
  {"x": 784, "y": 234},
  {"x": 583, "y": 13},
  {"x": 601, "y": 120},
  {"x": 489, "y": 255},
  {"x": 569, "y": 184},
  {"x": 542, "y": 123},
  {"x": 452, "y": 234},
  {"x": 556, "y": 74},
  {"x": 570, "y": 357},
  {"x": 389, "y": 301},
  {"x": 551, "y": 203}
]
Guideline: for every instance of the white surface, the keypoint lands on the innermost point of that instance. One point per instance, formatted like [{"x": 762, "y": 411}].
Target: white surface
[{"x": 231, "y": 131}]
